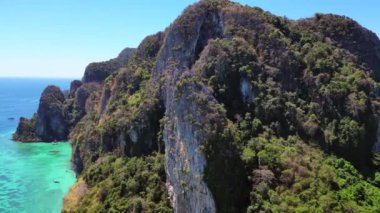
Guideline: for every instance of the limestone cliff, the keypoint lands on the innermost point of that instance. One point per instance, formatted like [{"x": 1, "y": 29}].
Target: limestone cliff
[
  {"x": 49, "y": 123},
  {"x": 229, "y": 109},
  {"x": 98, "y": 72},
  {"x": 57, "y": 115}
]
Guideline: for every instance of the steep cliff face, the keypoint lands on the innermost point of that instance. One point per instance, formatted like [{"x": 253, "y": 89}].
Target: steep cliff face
[
  {"x": 57, "y": 115},
  {"x": 230, "y": 109},
  {"x": 49, "y": 123},
  {"x": 185, "y": 162}
]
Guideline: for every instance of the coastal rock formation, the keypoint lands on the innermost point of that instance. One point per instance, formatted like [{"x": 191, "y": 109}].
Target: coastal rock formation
[
  {"x": 49, "y": 123},
  {"x": 25, "y": 130},
  {"x": 74, "y": 87},
  {"x": 58, "y": 114},
  {"x": 230, "y": 109},
  {"x": 98, "y": 72}
]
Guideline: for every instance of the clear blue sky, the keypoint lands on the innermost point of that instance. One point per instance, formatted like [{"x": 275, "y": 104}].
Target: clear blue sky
[{"x": 58, "y": 38}]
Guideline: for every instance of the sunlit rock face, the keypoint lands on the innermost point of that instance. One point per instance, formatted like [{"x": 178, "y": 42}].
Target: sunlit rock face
[
  {"x": 247, "y": 91},
  {"x": 185, "y": 162}
]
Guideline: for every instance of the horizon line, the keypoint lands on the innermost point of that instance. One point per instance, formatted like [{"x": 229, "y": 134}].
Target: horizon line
[{"x": 43, "y": 77}]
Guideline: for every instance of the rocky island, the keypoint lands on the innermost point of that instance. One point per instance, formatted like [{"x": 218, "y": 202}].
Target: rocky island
[{"x": 229, "y": 109}]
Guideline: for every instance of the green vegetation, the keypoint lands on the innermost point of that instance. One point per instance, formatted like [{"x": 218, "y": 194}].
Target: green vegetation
[
  {"x": 289, "y": 175},
  {"x": 126, "y": 185},
  {"x": 289, "y": 110},
  {"x": 317, "y": 96}
]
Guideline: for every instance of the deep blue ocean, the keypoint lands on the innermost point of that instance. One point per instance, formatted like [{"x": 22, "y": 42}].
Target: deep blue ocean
[{"x": 34, "y": 177}]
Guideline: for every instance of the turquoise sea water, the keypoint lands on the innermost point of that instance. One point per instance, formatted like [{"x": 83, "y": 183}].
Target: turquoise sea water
[{"x": 33, "y": 177}]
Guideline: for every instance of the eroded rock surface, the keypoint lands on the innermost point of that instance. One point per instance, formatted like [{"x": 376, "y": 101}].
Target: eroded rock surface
[{"x": 49, "y": 124}]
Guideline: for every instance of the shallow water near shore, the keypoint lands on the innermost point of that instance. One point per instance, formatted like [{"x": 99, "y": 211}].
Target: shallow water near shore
[{"x": 34, "y": 177}]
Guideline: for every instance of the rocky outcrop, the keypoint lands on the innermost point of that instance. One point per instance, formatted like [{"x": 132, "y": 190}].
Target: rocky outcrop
[
  {"x": 58, "y": 113},
  {"x": 98, "y": 72},
  {"x": 25, "y": 131},
  {"x": 76, "y": 104},
  {"x": 49, "y": 124},
  {"x": 73, "y": 87},
  {"x": 185, "y": 162},
  {"x": 193, "y": 114}
]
